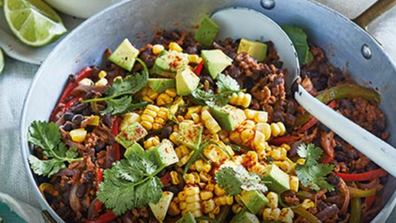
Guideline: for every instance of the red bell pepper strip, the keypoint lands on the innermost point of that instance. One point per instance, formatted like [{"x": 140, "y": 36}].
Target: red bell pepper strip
[
  {"x": 98, "y": 206},
  {"x": 329, "y": 158},
  {"x": 313, "y": 121},
  {"x": 99, "y": 177},
  {"x": 166, "y": 178},
  {"x": 84, "y": 73},
  {"x": 356, "y": 192},
  {"x": 106, "y": 217},
  {"x": 198, "y": 68},
  {"x": 369, "y": 201},
  {"x": 284, "y": 139},
  {"x": 370, "y": 175},
  {"x": 116, "y": 146},
  {"x": 69, "y": 104}
]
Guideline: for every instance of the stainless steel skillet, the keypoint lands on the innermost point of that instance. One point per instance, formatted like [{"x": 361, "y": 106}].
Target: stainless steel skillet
[{"x": 353, "y": 49}]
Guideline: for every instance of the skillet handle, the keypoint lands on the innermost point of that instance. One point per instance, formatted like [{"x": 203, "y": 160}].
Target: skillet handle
[
  {"x": 373, "y": 12},
  {"x": 374, "y": 148}
]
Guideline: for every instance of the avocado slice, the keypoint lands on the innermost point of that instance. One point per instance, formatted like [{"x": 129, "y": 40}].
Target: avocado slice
[
  {"x": 131, "y": 134},
  {"x": 257, "y": 50},
  {"x": 245, "y": 217},
  {"x": 172, "y": 61},
  {"x": 125, "y": 55},
  {"x": 135, "y": 148},
  {"x": 229, "y": 117},
  {"x": 159, "y": 209},
  {"x": 215, "y": 61},
  {"x": 160, "y": 85},
  {"x": 254, "y": 201},
  {"x": 188, "y": 218},
  {"x": 206, "y": 32},
  {"x": 161, "y": 72},
  {"x": 278, "y": 180},
  {"x": 186, "y": 81},
  {"x": 164, "y": 154},
  {"x": 190, "y": 134}
]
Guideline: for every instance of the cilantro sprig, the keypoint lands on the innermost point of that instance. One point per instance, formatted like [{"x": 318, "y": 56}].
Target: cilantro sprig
[
  {"x": 313, "y": 174},
  {"x": 226, "y": 86},
  {"x": 235, "y": 179},
  {"x": 46, "y": 135},
  {"x": 130, "y": 183},
  {"x": 118, "y": 97}
]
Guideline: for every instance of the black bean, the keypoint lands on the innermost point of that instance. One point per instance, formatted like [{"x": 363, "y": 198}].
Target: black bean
[
  {"x": 380, "y": 124},
  {"x": 340, "y": 156},
  {"x": 290, "y": 119},
  {"x": 81, "y": 190},
  {"x": 166, "y": 132},
  {"x": 88, "y": 177},
  {"x": 192, "y": 50},
  {"x": 68, "y": 126},
  {"x": 107, "y": 120},
  {"x": 277, "y": 116},
  {"x": 79, "y": 108},
  {"x": 68, "y": 116},
  {"x": 77, "y": 119},
  {"x": 277, "y": 81},
  {"x": 291, "y": 107},
  {"x": 352, "y": 154},
  {"x": 333, "y": 179},
  {"x": 173, "y": 189},
  {"x": 100, "y": 146},
  {"x": 86, "y": 112}
]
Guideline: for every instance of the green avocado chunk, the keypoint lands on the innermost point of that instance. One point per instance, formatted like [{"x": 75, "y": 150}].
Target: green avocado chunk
[
  {"x": 169, "y": 63},
  {"x": 278, "y": 180},
  {"x": 159, "y": 209},
  {"x": 186, "y": 81},
  {"x": 190, "y": 134},
  {"x": 131, "y": 134},
  {"x": 254, "y": 201},
  {"x": 255, "y": 49},
  {"x": 206, "y": 32},
  {"x": 125, "y": 55},
  {"x": 160, "y": 85},
  {"x": 215, "y": 61},
  {"x": 229, "y": 117},
  {"x": 188, "y": 218},
  {"x": 135, "y": 148},
  {"x": 164, "y": 154},
  {"x": 245, "y": 217}
]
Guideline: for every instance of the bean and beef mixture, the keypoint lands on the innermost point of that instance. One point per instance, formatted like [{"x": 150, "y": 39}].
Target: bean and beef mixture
[{"x": 188, "y": 129}]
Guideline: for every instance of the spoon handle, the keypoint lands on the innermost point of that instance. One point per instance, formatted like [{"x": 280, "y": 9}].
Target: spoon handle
[{"x": 374, "y": 148}]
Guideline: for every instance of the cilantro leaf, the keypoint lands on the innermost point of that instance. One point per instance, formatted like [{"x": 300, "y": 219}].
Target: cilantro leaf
[
  {"x": 117, "y": 106},
  {"x": 46, "y": 135},
  {"x": 131, "y": 84},
  {"x": 227, "y": 83},
  {"x": 234, "y": 180},
  {"x": 313, "y": 174},
  {"x": 299, "y": 39},
  {"x": 130, "y": 183}
]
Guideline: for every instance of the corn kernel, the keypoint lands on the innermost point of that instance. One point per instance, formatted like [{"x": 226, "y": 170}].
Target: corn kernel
[
  {"x": 261, "y": 116},
  {"x": 117, "y": 78},
  {"x": 192, "y": 199},
  {"x": 183, "y": 205},
  {"x": 206, "y": 195},
  {"x": 182, "y": 196},
  {"x": 294, "y": 182},
  {"x": 102, "y": 74},
  {"x": 246, "y": 100},
  {"x": 212, "y": 126},
  {"x": 219, "y": 191},
  {"x": 160, "y": 120},
  {"x": 78, "y": 135},
  {"x": 273, "y": 200},
  {"x": 194, "y": 58},
  {"x": 129, "y": 118},
  {"x": 197, "y": 213},
  {"x": 300, "y": 161},
  {"x": 307, "y": 203},
  {"x": 191, "y": 190},
  {"x": 204, "y": 176},
  {"x": 264, "y": 128},
  {"x": 229, "y": 200},
  {"x": 171, "y": 92},
  {"x": 208, "y": 205},
  {"x": 152, "y": 94},
  {"x": 236, "y": 208},
  {"x": 247, "y": 135},
  {"x": 174, "y": 177},
  {"x": 153, "y": 108},
  {"x": 275, "y": 213},
  {"x": 174, "y": 137},
  {"x": 101, "y": 82},
  {"x": 193, "y": 206},
  {"x": 157, "y": 126},
  {"x": 173, "y": 46},
  {"x": 173, "y": 209},
  {"x": 195, "y": 118},
  {"x": 234, "y": 137},
  {"x": 86, "y": 82},
  {"x": 147, "y": 125},
  {"x": 163, "y": 113},
  {"x": 157, "y": 49},
  {"x": 147, "y": 118},
  {"x": 147, "y": 99}
]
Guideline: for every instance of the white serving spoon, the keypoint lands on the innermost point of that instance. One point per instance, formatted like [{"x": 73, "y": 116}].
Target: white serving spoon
[{"x": 242, "y": 22}]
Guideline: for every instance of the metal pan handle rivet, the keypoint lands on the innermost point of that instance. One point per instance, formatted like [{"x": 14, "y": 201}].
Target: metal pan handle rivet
[
  {"x": 268, "y": 4},
  {"x": 366, "y": 51}
]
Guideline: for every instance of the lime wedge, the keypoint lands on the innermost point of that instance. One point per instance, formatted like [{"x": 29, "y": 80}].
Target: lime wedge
[
  {"x": 1, "y": 61},
  {"x": 33, "y": 21}
]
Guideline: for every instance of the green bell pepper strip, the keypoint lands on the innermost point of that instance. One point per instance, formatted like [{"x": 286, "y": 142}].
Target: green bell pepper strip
[
  {"x": 341, "y": 92},
  {"x": 355, "y": 192},
  {"x": 356, "y": 210},
  {"x": 310, "y": 217}
]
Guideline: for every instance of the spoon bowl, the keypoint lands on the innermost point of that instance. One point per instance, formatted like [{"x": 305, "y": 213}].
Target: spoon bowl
[{"x": 247, "y": 23}]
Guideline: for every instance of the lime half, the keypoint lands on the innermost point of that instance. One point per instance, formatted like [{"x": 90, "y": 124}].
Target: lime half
[
  {"x": 1, "y": 61},
  {"x": 33, "y": 21}
]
